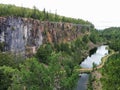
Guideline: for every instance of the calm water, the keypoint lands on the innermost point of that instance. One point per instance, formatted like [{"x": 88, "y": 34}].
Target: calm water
[
  {"x": 95, "y": 58},
  {"x": 82, "y": 82},
  {"x": 87, "y": 63}
]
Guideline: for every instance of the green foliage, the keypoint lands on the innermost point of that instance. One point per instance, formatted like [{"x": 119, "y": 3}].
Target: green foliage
[
  {"x": 65, "y": 47},
  {"x": 111, "y": 80},
  {"x": 85, "y": 38},
  {"x": 10, "y": 60},
  {"x": 94, "y": 66},
  {"x": 84, "y": 29},
  {"x": 54, "y": 65},
  {"x": 111, "y": 33},
  {"x": 6, "y": 74},
  {"x": 94, "y": 37},
  {"x": 76, "y": 49},
  {"x": 112, "y": 37},
  {"x": 44, "y": 52},
  {"x": 66, "y": 79},
  {"x": 2, "y": 44},
  {"x": 78, "y": 43},
  {"x": 12, "y": 10},
  {"x": 115, "y": 44},
  {"x": 91, "y": 79},
  {"x": 32, "y": 76},
  {"x": 6, "y": 59},
  {"x": 7, "y": 63}
]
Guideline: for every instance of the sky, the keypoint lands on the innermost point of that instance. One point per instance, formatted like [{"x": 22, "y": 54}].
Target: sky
[{"x": 102, "y": 13}]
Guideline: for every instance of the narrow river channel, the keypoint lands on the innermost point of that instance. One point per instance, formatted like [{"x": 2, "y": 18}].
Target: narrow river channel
[{"x": 88, "y": 63}]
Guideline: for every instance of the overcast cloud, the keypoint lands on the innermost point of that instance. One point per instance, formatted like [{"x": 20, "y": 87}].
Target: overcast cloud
[{"x": 102, "y": 13}]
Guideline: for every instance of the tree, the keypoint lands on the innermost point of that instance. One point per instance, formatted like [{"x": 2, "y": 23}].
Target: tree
[
  {"x": 85, "y": 38},
  {"x": 94, "y": 66},
  {"x": 34, "y": 13},
  {"x": 44, "y": 14},
  {"x": 6, "y": 74},
  {"x": 62, "y": 71},
  {"x": 93, "y": 37},
  {"x": 47, "y": 16},
  {"x": 10, "y": 60},
  {"x": 65, "y": 48},
  {"x": 31, "y": 76},
  {"x": 110, "y": 73},
  {"x": 44, "y": 52},
  {"x": 6, "y": 59},
  {"x": 2, "y": 44},
  {"x": 12, "y": 10}
]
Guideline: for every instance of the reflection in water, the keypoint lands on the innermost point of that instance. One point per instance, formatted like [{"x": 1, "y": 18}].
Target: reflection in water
[
  {"x": 82, "y": 83},
  {"x": 87, "y": 63},
  {"x": 95, "y": 58}
]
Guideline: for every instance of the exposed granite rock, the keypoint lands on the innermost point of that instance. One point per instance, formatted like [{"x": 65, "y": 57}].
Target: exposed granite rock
[{"x": 24, "y": 35}]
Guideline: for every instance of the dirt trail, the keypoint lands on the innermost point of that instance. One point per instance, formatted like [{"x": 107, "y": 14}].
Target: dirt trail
[
  {"x": 99, "y": 66},
  {"x": 96, "y": 84}
]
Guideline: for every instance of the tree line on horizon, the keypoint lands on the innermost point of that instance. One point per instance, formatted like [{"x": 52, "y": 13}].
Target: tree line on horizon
[
  {"x": 12, "y": 10},
  {"x": 44, "y": 70}
]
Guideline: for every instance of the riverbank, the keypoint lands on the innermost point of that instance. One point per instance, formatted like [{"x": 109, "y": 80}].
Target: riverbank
[
  {"x": 87, "y": 66},
  {"x": 95, "y": 79},
  {"x": 83, "y": 70}
]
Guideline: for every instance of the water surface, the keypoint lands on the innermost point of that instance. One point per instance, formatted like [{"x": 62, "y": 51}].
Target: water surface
[
  {"x": 88, "y": 63},
  {"x": 82, "y": 82},
  {"x": 95, "y": 58}
]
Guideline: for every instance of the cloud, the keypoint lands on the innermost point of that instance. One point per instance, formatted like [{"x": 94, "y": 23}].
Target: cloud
[{"x": 101, "y": 13}]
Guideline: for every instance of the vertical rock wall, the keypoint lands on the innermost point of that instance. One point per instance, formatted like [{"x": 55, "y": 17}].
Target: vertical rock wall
[{"x": 23, "y": 35}]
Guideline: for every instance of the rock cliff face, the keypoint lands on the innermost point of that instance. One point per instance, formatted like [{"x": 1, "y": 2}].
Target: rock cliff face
[{"x": 23, "y": 35}]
